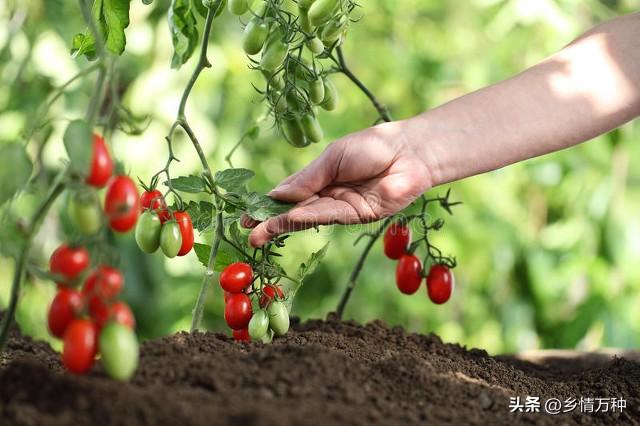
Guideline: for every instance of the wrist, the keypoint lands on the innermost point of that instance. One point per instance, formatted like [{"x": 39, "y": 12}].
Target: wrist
[{"x": 420, "y": 138}]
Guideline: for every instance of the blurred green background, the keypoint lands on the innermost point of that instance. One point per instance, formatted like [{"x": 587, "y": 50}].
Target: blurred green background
[{"x": 547, "y": 249}]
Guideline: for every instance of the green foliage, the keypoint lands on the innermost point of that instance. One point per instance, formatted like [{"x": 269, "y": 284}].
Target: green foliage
[
  {"x": 77, "y": 141},
  {"x": 15, "y": 170},
  {"x": 111, "y": 17},
  {"x": 184, "y": 30}
]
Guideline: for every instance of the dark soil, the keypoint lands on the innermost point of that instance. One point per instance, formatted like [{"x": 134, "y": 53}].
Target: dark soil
[{"x": 321, "y": 373}]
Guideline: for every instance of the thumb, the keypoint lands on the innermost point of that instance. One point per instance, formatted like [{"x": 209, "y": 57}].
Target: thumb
[{"x": 312, "y": 179}]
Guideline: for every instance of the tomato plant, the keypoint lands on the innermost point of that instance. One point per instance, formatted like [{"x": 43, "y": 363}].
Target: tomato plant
[
  {"x": 408, "y": 274},
  {"x": 237, "y": 311},
  {"x": 440, "y": 283},
  {"x": 236, "y": 277},
  {"x": 68, "y": 263},
  {"x": 101, "y": 163},
  {"x": 65, "y": 307},
  {"x": 79, "y": 346},
  {"x": 396, "y": 240},
  {"x": 122, "y": 204},
  {"x": 119, "y": 350}
]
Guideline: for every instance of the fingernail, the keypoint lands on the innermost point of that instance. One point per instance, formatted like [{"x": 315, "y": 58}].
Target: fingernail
[{"x": 280, "y": 189}]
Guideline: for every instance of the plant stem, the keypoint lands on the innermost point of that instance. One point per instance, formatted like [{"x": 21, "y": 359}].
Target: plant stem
[
  {"x": 21, "y": 260},
  {"x": 383, "y": 112},
  {"x": 208, "y": 275},
  {"x": 353, "y": 279}
]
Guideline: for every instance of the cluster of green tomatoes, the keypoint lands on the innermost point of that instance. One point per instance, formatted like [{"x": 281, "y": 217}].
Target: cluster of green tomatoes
[{"x": 286, "y": 47}]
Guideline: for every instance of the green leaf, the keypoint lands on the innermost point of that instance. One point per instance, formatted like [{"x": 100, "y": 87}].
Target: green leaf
[
  {"x": 15, "y": 170},
  {"x": 12, "y": 238},
  {"x": 233, "y": 180},
  {"x": 189, "y": 184},
  {"x": 78, "y": 139},
  {"x": 312, "y": 263},
  {"x": 261, "y": 207},
  {"x": 184, "y": 31},
  {"x": 201, "y": 215},
  {"x": 111, "y": 18},
  {"x": 226, "y": 255}
]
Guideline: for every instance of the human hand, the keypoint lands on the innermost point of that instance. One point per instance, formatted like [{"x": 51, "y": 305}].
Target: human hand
[{"x": 359, "y": 178}]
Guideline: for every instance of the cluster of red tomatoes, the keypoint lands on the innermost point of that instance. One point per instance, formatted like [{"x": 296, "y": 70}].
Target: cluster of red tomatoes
[
  {"x": 91, "y": 319},
  {"x": 157, "y": 227},
  {"x": 409, "y": 272},
  {"x": 271, "y": 316}
]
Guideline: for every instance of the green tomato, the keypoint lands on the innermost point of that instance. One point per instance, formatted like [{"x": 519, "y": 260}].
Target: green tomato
[
  {"x": 275, "y": 81},
  {"x": 238, "y": 7},
  {"x": 292, "y": 131},
  {"x": 315, "y": 46},
  {"x": 148, "y": 232},
  {"x": 274, "y": 53},
  {"x": 171, "y": 239},
  {"x": 332, "y": 31},
  {"x": 267, "y": 338},
  {"x": 280, "y": 102},
  {"x": 119, "y": 350},
  {"x": 216, "y": 5},
  {"x": 316, "y": 91},
  {"x": 259, "y": 324},
  {"x": 303, "y": 18},
  {"x": 84, "y": 212},
  {"x": 321, "y": 11},
  {"x": 305, "y": 4},
  {"x": 278, "y": 318},
  {"x": 311, "y": 128},
  {"x": 330, "y": 101},
  {"x": 255, "y": 34}
]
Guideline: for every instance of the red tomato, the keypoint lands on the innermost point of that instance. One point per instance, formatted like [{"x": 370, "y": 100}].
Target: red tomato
[
  {"x": 269, "y": 291},
  {"x": 236, "y": 277},
  {"x": 241, "y": 335},
  {"x": 154, "y": 200},
  {"x": 237, "y": 311},
  {"x": 440, "y": 284},
  {"x": 122, "y": 204},
  {"x": 68, "y": 262},
  {"x": 186, "y": 229},
  {"x": 80, "y": 346},
  {"x": 105, "y": 283},
  {"x": 121, "y": 313},
  {"x": 408, "y": 276},
  {"x": 64, "y": 309},
  {"x": 101, "y": 163},
  {"x": 99, "y": 310},
  {"x": 396, "y": 240}
]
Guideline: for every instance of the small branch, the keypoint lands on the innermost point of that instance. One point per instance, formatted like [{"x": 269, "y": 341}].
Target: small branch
[
  {"x": 358, "y": 268},
  {"x": 21, "y": 260},
  {"x": 383, "y": 112},
  {"x": 208, "y": 275}
]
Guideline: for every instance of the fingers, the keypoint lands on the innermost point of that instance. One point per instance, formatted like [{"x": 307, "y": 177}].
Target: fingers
[
  {"x": 313, "y": 178},
  {"x": 322, "y": 211}
]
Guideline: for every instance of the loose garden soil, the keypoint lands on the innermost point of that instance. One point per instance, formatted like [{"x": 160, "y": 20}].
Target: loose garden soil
[{"x": 321, "y": 373}]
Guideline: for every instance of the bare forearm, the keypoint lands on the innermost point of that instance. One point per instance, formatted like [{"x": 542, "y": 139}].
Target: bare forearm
[{"x": 588, "y": 88}]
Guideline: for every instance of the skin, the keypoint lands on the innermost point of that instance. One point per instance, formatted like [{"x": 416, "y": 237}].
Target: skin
[{"x": 588, "y": 88}]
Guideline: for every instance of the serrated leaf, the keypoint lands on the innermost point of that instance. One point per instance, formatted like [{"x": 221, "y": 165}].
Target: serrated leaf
[
  {"x": 312, "y": 263},
  {"x": 201, "y": 215},
  {"x": 78, "y": 141},
  {"x": 226, "y": 255},
  {"x": 15, "y": 170},
  {"x": 189, "y": 184},
  {"x": 233, "y": 180},
  {"x": 184, "y": 31},
  {"x": 111, "y": 18},
  {"x": 261, "y": 207}
]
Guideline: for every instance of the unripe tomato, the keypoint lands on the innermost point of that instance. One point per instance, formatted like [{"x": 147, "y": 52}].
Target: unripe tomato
[
  {"x": 330, "y": 101},
  {"x": 104, "y": 283},
  {"x": 278, "y": 318},
  {"x": 305, "y": 4},
  {"x": 120, "y": 351},
  {"x": 321, "y": 11},
  {"x": 275, "y": 51},
  {"x": 148, "y": 231},
  {"x": 237, "y": 311},
  {"x": 238, "y": 7},
  {"x": 79, "y": 346},
  {"x": 121, "y": 313},
  {"x": 64, "y": 308},
  {"x": 334, "y": 29},
  {"x": 255, "y": 35},
  {"x": 68, "y": 263},
  {"x": 311, "y": 128},
  {"x": 315, "y": 46},
  {"x": 396, "y": 240},
  {"x": 236, "y": 277},
  {"x": 259, "y": 324},
  {"x": 84, "y": 212},
  {"x": 241, "y": 335},
  {"x": 154, "y": 200},
  {"x": 186, "y": 230},
  {"x": 292, "y": 131},
  {"x": 316, "y": 91},
  {"x": 303, "y": 18},
  {"x": 101, "y": 163},
  {"x": 122, "y": 204},
  {"x": 440, "y": 284},
  {"x": 408, "y": 274},
  {"x": 170, "y": 239}
]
